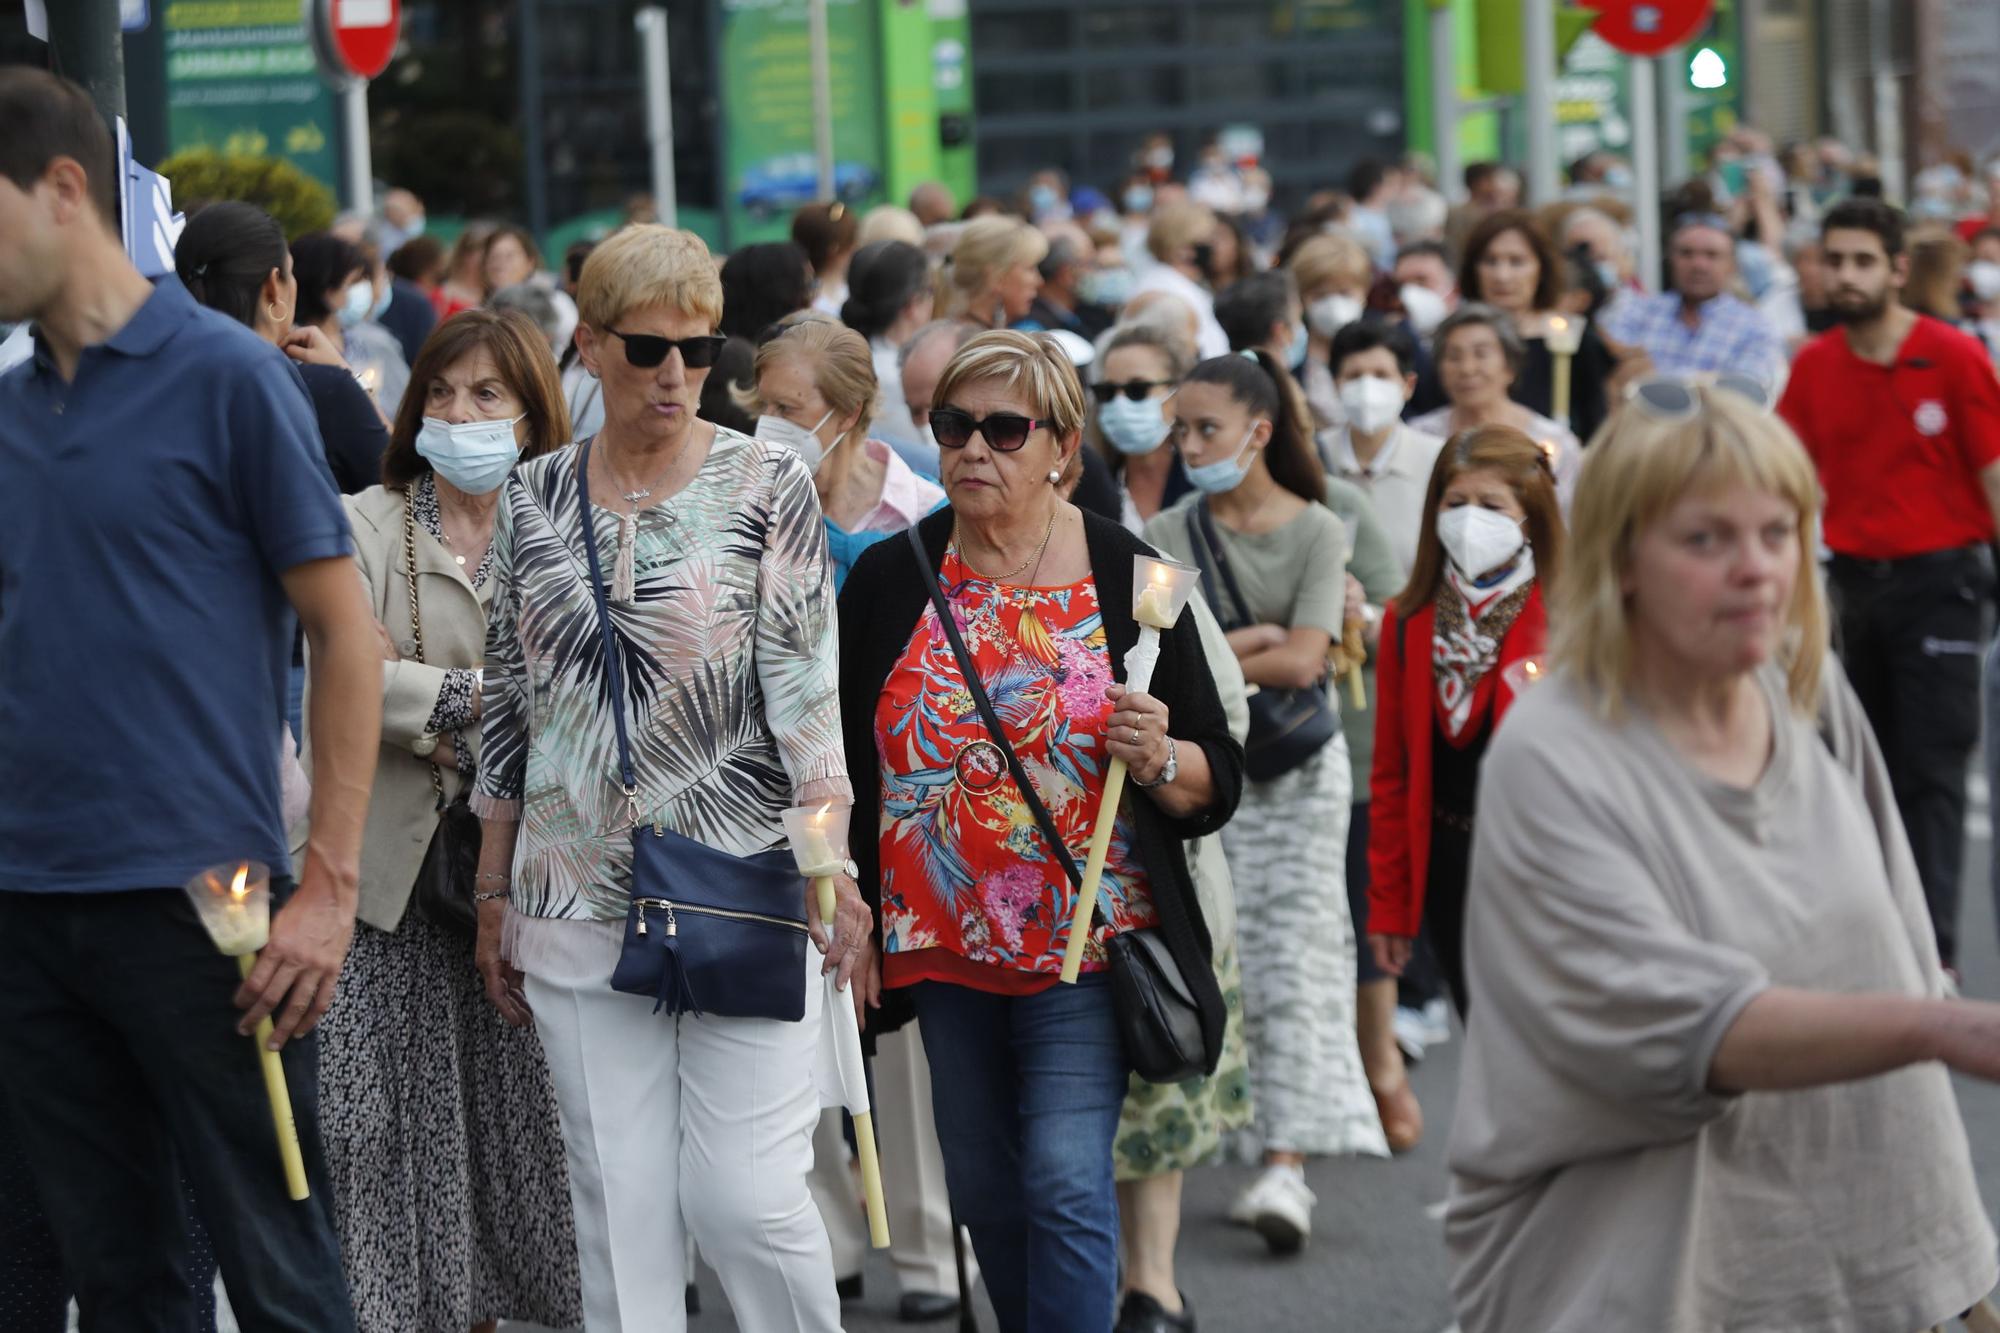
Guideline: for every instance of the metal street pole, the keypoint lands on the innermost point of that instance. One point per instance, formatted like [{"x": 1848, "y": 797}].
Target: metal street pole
[
  {"x": 360, "y": 156},
  {"x": 1674, "y": 164},
  {"x": 89, "y": 49},
  {"x": 1538, "y": 101},
  {"x": 1444, "y": 100},
  {"x": 652, "y": 25},
  {"x": 1888, "y": 100},
  {"x": 822, "y": 91},
  {"x": 1646, "y": 167}
]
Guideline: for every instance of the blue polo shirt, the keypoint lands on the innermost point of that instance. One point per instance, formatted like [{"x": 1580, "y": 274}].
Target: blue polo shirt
[{"x": 146, "y": 511}]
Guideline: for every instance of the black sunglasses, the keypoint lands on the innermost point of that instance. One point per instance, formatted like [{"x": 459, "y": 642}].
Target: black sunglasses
[
  {"x": 1004, "y": 431},
  {"x": 1137, "y": 390},
  {"x": 647, "y": 350}
]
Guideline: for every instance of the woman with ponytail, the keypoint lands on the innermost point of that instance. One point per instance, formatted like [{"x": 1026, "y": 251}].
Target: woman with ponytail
[{"x": 1273, "y": 562}]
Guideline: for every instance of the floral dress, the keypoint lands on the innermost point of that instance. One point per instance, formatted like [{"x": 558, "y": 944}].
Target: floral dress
[{"x": 971, "y": 891}]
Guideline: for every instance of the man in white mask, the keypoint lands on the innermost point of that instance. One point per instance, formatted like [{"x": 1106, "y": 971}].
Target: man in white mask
[{"x": 1374, "y": 373}]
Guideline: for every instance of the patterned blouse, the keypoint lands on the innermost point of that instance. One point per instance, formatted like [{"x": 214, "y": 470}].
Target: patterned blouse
[
  {"x": 729, "y": 653},
  {"x": 971, "y": 892},
  {"x": 454, "y": 706}
]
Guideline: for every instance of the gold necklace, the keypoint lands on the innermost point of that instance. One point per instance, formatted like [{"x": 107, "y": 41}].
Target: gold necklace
[{"x": 1034, "y": 557}]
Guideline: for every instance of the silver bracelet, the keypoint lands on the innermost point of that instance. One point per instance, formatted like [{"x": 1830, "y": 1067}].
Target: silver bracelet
[
  {"x": 492, "y": 874},
  {"x": 491, "y": 895}
]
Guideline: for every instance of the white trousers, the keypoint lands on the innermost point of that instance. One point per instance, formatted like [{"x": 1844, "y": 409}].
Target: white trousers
[
  {"x": 913, "y": 1186},
  {"x": 710, "y": 1119}
]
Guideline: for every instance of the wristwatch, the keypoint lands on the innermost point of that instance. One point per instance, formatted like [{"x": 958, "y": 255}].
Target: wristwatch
[
  {"x": 424, "y": 746},
  {"x": 1168, "y": 771}
]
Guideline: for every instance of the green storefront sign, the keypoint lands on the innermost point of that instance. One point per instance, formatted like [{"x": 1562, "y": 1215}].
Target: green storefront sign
[
  {"x": 768, "y": 164},
  {"x": 241, "y": 79}
]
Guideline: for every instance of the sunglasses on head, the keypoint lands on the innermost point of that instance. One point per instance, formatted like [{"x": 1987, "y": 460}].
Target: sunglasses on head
[
  {"x": 647, "y": 350},
  {"x": 1137, "y": 390},
  {"x": 1003, "y": 431},
  {"x": 1671, "y": 398}
]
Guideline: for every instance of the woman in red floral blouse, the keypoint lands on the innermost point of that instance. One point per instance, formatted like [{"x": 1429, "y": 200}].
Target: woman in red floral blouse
[{"x": 974, "y": 906}]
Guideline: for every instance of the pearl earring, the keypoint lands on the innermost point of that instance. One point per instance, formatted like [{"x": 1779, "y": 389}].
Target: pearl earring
[{"x": 1055, "y": 476}]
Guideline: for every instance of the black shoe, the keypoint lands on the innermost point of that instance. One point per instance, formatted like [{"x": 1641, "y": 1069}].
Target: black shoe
[
  {"x": 1142, "y": 1314},
  {"x": 849, "y": 1288},
  {"x": 693, "y": 1298},
  {"x": 926, "y": 1307}
]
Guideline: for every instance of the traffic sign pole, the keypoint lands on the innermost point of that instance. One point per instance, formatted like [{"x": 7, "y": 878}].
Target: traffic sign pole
[
  {"x": 354, "y": 41},
  {"x": 1646, "y": 166},
  {"x": 360, "y": 172},
  {"x": 652, "y": 25},
  {"x": 1538, "y": 100}
]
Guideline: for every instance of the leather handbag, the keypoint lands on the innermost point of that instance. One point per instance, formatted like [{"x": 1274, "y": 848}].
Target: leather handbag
[
  {"x": 1159, "y": 1023},
  {"x": 706, "y": 933},
  {"x": 442, "y": 894},
  {"x": 1287, "y": 727}
]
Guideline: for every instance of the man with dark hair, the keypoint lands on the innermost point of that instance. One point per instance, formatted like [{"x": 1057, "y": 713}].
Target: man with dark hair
[
  {"x": 1072, "y": 257},
  {"x": 164, "y": 508},
  {"x": 1263, "y": 312},
  {"x": 1901, "y": 414}
]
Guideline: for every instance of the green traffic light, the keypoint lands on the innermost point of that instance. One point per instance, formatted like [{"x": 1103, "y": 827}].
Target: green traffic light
[{"x": 1707, "y": 69}]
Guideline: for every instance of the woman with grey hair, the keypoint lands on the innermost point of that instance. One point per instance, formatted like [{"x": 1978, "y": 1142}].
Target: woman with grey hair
[
  {"x": 1139, "y": 365},
  {"x": 1480, "y": 354}
]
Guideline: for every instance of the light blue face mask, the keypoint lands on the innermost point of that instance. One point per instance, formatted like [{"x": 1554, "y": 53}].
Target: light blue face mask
[
  {"x": 360, "y": 300},
  {"x": 381, "y": 305},
  {"x": 1042, "y": 199},
  {"x": 1139, "y": 199},
  {"x": 1224, "y": 474},
  {"x": 1295, "y": 355},
  {"x": 1108, "y": 287},
  {"x": 1133, "y": 428},
  {"x": 474, "y": 456}
]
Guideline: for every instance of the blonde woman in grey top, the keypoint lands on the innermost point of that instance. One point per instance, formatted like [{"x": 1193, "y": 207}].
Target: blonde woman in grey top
[{"x": 1707, "y": 1086}]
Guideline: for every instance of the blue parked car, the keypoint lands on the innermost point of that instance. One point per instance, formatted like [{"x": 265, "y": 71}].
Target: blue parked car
[{"x": 781, "y": 184}]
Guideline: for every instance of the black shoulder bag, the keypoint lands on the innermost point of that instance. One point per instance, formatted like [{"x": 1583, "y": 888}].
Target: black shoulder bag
[
  {"x": 1159, "y": 1023},
  {"x": 707, "y": 933},
  {"x": 1287, "y": 727},
  {"x": 442, "y": 894}
]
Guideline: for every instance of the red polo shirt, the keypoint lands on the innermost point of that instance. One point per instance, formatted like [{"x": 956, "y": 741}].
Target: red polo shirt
[{"x": 1899, "y": 447}]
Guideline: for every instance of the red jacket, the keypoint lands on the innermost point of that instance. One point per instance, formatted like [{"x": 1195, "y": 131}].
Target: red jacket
[{"x": 1406, "y": 715}]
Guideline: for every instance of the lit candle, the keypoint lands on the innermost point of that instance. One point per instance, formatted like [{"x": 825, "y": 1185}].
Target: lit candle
[{"x": 1564, "y": 340}]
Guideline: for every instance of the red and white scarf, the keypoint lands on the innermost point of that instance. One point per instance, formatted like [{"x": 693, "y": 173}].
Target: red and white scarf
[{"x": 1468, "y": 626}]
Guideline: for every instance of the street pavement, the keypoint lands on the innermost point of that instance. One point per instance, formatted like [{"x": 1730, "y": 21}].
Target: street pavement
[{"x": 1375, "y": 1263}]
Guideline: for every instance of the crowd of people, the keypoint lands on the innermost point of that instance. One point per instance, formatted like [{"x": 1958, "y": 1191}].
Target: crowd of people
[{"x": 506, "y": 614}]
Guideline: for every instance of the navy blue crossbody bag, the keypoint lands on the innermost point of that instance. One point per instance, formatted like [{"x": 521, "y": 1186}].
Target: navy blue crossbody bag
[{"x": 707, "y": 933}]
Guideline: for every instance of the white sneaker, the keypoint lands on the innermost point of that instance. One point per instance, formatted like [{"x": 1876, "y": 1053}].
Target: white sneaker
[
  {"x": 1410, "y": 1033},
  {"x": 1437, "y": 1022},
  {"x": 1279, "y": 1207}
]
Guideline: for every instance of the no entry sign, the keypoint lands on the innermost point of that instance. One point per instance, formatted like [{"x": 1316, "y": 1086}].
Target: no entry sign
[
  {"x": 355, "y": 38},
  {"x": 1648, "y": 27}
]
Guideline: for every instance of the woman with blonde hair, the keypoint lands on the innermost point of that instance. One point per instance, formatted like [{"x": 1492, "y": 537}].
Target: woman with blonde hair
[
  {"x": 993, "y": 273},
  {"x": 1332, "y": 274},
  {"x": 1711, "y": 1019},
  {"x": 817, "y": 391},
  {"x": 1474, "y": 607}
]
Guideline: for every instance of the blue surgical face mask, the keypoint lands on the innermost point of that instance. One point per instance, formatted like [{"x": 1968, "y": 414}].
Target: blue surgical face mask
[
  {"x": 1139, "y": 199},
  {"x": 1133, "y": 428},
  {"x": 354, "y": 310},
  {"x": 1607, "y": 273},
  {"x": 1618, "y": 176},
  {"x": 474, "y": 456},
  {"x": 1107, "y": 287},
  {"x": 1224, "y": 474},
  {"x": 1295, "y": 354},
  {"x": 381, "y": 305},
  {"x": 1042, "y": 199}
]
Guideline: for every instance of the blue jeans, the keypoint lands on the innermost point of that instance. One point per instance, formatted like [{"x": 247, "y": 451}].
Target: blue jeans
[
  {"x": 125, "y": 1078},
  {"x": 1027, "y": 1091}
]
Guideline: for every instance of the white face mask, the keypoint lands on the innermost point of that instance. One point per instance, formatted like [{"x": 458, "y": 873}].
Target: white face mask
[
  {"x": 1328, "y": 315},
  {"x": 474, "y": 456},
  {"x": 1425, "y": 308},
  {"x": 777, "y": 430},
  {"x": 1371, "y": 403},
  {"x": 1479, "y": 540},
  {"x": 1984, "y": 275}
]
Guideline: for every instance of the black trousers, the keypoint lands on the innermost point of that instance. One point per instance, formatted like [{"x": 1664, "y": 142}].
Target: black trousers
[
  {"x": 1911, "y": 636},
  {"x": 124, "y": 1077}
]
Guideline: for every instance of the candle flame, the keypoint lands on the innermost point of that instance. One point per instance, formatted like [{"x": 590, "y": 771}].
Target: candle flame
[
  {"x": 1558, "y": 323},
  {"x": 1531, "y": 668},
  {"x": 239, "y": 886},
  {"x": 822, "y": 812}
]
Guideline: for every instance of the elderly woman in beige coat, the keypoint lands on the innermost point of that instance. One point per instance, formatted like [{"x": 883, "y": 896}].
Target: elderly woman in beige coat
[{"x": 450, "y": 1189}]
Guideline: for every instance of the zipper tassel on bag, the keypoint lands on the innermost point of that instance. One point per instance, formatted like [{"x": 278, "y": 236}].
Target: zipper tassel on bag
[{"x": 646, "y": 904}]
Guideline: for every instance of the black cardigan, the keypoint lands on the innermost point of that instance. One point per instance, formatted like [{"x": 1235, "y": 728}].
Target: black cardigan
[{"x": 880, "y": 606}]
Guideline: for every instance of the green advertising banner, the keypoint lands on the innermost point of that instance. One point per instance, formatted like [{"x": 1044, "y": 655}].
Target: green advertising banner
[
  {"x": 767, "y": 112},
  {"x": 951, "y": 75},
  {"x": 909, "y": 97},
  {"x": 241, "y": 79}
]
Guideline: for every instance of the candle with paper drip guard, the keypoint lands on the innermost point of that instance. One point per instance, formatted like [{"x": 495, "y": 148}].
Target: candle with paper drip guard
[
  {"x": 234, "y": 905},
  {"x": 819, "y": 845},
  {"x": 1565, "y": 338},
  {"x": 1160, "y": 592}
]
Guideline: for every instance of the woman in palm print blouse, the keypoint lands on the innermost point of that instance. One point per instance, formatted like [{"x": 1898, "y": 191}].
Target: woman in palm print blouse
[{"x": 722, "y": 607}]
